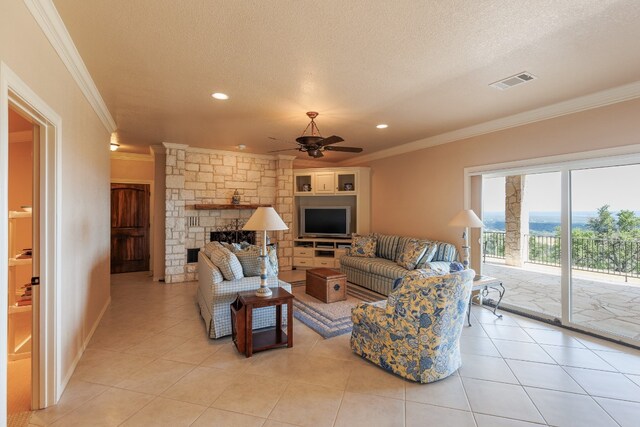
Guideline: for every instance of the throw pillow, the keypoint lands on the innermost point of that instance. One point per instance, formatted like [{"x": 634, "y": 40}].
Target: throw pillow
[
  {"x": 455, "y": 266},
  {"x": 272, "y": 254},
  {"x": 432, "y": 247},
  {"x": 363, "y": 246},
  {"x": 227, "y": 262},
  {"x": 209, "y": 247},
  {"x": 251, "y": 263},
  {"x": 412, "y": 252}
]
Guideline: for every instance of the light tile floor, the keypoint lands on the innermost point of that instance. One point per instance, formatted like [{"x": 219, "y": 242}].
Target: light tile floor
[
  {"x": 151, "y": 364},
  {"x": 600, "y": 301}
]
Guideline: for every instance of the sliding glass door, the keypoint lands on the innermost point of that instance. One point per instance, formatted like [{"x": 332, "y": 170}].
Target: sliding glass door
[
  {"x": 605, "y": 249},
  {"x": 565, "y": 240}
]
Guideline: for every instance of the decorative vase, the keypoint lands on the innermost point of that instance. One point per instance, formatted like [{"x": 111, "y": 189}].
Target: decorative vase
[{"x": 236, "y": 198}]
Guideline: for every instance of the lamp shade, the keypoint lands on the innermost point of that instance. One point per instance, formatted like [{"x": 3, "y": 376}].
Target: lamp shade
[
  {"x": 265, "y": 218},
  {"x": 466, "y": 218}
]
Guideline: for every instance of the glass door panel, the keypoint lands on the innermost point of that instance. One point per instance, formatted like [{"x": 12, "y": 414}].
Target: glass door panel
[
  {"x": 605, "y": 250},
  {"x": 521, "y": 240}
]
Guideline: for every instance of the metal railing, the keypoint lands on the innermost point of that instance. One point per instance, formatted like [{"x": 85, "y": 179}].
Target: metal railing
[
  {"x": 609, "y": 256},
  {"x": 493, "y": 244}
]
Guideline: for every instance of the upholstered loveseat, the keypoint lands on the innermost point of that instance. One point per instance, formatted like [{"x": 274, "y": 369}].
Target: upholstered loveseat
[
  {"x": 417, "y": 334},
  {"x": 381, "y": 272},
  {"x": 216, "y": 293}
]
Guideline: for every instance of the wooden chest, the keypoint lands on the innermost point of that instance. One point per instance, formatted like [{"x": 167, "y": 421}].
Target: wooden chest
[{"x": 326, "y": 285}]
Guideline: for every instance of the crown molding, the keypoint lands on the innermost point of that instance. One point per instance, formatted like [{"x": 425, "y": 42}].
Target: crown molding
[
  {"x": 115, "y": 155},
  {"x": 22, "y": 136},
  {"x": 47, "y": 17},
  {"x": 587, "y": 102}
]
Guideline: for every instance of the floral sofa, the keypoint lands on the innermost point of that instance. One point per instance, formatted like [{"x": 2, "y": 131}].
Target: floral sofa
[
  {"x": 417, "y": 334},
  {"x": 380, "y": 272},
  {"x": 220, "y": 278}
]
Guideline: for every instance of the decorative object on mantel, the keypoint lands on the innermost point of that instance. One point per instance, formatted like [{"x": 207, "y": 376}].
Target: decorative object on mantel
[
  {"x": 466, "y": 218},
  {"x": 306, "y": 187},
  {"x": 236, "y": 198},
  {"x": 213, "y": 206},
  {"x": 348, "y": 186},
  {"x": 264, "y": 219}
]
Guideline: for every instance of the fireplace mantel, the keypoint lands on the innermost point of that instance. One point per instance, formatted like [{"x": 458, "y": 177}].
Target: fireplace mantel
[{"x": 210, "y": 207}]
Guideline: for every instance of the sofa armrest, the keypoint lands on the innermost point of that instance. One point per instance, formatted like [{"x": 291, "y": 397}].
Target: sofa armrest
[{"x": 239, "y": 285}]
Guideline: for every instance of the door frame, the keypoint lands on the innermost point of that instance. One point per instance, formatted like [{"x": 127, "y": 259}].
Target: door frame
[
  {"x": 151, "y": 206},
  {"x": 618, "y": 156},
  {"x": 16, "y": 92}
]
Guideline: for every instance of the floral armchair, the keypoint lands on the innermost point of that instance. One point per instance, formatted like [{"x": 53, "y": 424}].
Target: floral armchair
[{"x": 417, "y": 334}]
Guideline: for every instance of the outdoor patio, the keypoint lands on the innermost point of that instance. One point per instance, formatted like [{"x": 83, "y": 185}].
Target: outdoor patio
[{"x": 600, "y": 301}]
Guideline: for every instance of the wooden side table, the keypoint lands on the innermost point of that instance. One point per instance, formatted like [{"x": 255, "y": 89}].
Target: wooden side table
[
  {"x": 249, "y": 341},
  {"x": 482, "y": 285}
]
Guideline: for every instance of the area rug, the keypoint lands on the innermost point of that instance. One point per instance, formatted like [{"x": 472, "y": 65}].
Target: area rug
[{"x": 330, "y": 320}]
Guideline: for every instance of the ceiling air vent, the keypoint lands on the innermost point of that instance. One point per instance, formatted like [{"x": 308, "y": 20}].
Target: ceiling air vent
[{"x": 512, "y": 81}]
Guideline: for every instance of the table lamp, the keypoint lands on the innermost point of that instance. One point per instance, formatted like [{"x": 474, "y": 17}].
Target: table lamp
[
  {"x": 264, "y": 219},
  {"x": 466, "y": 218}
]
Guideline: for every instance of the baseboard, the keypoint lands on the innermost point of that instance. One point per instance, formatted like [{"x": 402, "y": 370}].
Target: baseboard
[{"x": 72, "y": 369}]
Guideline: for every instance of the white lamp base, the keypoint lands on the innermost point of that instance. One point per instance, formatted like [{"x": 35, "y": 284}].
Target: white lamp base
[{"x": 263, "y": 291}]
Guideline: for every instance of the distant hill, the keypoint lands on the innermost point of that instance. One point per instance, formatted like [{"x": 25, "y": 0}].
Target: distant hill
[{"x": 544, "y": 223}]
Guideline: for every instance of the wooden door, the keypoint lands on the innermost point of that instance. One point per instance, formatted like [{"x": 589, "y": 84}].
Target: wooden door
[{"x": 129, "y": 227}]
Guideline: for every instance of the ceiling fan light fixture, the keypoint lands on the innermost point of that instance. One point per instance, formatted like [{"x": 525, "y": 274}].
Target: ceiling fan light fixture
[{"x": 219, "y": 95}]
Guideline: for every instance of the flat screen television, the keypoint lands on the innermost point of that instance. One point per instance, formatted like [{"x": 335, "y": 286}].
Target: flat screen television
[{"x": 325, "y": 221}]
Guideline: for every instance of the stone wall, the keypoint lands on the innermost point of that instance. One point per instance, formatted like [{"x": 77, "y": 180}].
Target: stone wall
[
  {"x": 200, "y": 176},
  {"x": 516, "y": 221}
]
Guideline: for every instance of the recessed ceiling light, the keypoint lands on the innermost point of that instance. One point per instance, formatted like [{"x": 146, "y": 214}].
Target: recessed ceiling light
[
  {"x": 220, "y": 95},
  {"x": 241, "y": 146},
  {"x": 382, "y": 126}
]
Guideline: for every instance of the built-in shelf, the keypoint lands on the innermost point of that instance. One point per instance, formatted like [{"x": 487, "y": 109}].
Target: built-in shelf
[
  {"x": 19, "y": 308},
  {"x": 203, "y": 207},
  {"x": 19, "y": 261}
]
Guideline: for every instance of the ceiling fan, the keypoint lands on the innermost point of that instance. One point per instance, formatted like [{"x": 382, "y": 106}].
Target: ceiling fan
[{"x": 314, "y": 144}]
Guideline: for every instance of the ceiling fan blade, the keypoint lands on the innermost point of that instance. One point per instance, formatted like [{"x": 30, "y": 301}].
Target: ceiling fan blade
[
  {"x": 286, "y": 149},
  {"x": 345, "y": 149},
  {"x": 334, "y": 139}
]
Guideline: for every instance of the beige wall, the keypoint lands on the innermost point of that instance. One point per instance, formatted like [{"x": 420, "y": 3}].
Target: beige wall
[
  {"x": 85, "y": 178},
  {"x": 134, "y": 170},
  {"x": 417, "y": 193}
]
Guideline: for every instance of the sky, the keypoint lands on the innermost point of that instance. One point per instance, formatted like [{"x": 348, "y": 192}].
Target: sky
[{"x": 617, "y": 186}]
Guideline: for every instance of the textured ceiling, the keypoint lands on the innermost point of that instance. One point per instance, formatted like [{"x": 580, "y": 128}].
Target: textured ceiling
[{"x": 421, "y": 66}]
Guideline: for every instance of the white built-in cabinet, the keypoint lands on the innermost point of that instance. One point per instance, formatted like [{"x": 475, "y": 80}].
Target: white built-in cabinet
[{"x": 330, "y": 187}]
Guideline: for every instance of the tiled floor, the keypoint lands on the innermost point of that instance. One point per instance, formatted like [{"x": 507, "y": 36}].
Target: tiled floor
[
  {"x": 601, "y": 301},
  {"x": 150, "y": 363}
]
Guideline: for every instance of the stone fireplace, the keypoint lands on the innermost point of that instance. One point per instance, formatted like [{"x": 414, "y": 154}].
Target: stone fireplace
[{"x": 196, "y": 176}]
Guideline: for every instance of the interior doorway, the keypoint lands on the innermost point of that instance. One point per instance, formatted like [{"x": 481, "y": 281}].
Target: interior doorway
[
  {"x": 130, "y": 211},
  {"x": 22, "y": 325},
  {"x": 46, "y": 379}
]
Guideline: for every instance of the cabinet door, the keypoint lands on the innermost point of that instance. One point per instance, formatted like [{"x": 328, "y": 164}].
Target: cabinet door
[{"x": 325, "y": 182}]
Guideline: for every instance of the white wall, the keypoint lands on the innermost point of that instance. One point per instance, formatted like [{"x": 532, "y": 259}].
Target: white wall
[{"x": 85, "y": 179}]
